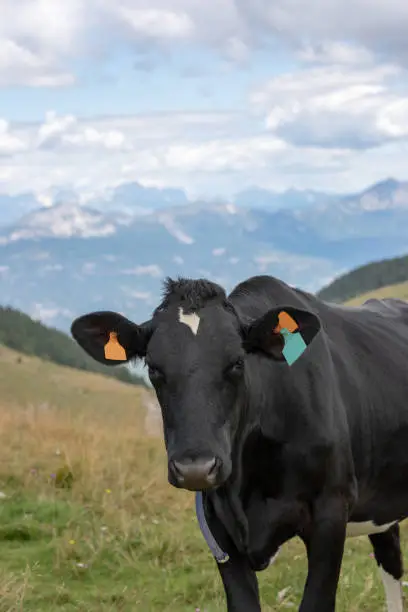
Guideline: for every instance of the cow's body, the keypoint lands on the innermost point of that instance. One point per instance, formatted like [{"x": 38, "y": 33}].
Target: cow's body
[
  {"x": 362, "y": 361},
  {"x": 321, "y": 449}
]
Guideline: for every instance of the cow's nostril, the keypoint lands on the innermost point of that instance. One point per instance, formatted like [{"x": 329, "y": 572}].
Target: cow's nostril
[
  {"x": 176, "y": 468},
  {"x": 214, "y": 466}
]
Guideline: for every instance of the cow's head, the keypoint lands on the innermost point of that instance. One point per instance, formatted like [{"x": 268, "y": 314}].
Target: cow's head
[{"x": 195, "y": 347}]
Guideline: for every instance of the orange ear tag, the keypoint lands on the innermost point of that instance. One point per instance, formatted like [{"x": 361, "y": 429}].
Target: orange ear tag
[
  {"x": 113, "y": 350},
  {"x": 286, "y": 322}
]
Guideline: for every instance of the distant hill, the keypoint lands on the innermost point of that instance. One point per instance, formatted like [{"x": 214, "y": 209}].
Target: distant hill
[
  {"x": 396, "y": 291},
  {"x": 29, "y": 380},
  {"x": 19, "y": 332},
  {"x": 366, "y": 278}
]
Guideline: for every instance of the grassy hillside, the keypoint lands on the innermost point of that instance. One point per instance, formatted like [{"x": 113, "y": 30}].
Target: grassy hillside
[
  {"x": 397, "y": 291},
  {"x": 366, "y": 278},
  {"x": 18, "y": 331},
  {"x": 117, "y": 537}
]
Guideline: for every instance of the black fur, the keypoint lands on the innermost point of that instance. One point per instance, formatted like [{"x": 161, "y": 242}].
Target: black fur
[
  {"x": 191, "y": 294},
  {"x": 387, "y": 551}
]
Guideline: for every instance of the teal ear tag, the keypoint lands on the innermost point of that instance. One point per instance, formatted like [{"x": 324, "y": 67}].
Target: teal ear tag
[{"x": 294, "y": 346}]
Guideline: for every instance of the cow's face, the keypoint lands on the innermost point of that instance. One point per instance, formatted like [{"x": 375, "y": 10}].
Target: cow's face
[{"x": 196, "y": 361}]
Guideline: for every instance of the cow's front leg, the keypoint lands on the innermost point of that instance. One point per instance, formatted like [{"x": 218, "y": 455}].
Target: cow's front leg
[
  {"x": 239, "y": 579},
  {"x": 240, "y": 585},
  {"x": 325, "y": 546}
]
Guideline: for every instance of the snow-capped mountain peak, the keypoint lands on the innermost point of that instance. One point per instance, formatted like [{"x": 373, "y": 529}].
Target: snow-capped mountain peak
[{"x": 64, "y": 220}]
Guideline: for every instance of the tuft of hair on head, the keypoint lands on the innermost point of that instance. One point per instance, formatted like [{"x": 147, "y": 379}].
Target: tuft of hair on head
[{"x": 191, "y": 294}]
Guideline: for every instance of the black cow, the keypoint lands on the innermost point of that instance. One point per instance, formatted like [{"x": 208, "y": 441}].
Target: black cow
[{"x": 317, "y": 449}]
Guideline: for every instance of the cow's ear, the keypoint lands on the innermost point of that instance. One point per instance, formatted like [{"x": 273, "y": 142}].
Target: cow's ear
[
  {"x": 111, "y": 338},
  {"x": 283, "y": 333}
]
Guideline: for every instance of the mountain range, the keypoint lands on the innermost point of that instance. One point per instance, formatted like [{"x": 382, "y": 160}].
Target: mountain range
[{"x": 114, "y": 251}]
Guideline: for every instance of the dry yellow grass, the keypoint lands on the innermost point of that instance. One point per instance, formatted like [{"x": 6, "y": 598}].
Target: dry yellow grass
[{"x": 399, "y": 290}]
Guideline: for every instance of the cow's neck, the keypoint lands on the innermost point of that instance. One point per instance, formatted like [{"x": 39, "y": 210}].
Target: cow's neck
[
  {"x": 257, "y": 454},
  {"x": 228, "y": 501}
]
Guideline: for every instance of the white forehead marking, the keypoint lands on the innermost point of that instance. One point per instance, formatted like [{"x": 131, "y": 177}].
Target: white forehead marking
[{"x": 191, "y": 320}]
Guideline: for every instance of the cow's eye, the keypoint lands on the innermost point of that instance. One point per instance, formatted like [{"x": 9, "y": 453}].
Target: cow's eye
[{"x": 235, "y": 368}]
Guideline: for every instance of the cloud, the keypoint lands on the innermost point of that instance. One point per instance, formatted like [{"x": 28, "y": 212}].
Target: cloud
[
  {"x": 169, "y": 22},
  {"x": 345, "y": 101},
  {"x": 54, "y": 128},
  {"x": 137, "y": 294},
  {"x": 229, "y": 155},
  {"x": 208, "y": 154},
  {"x": 36, "y": 38},
  {"x": 338, "y": 118},
  {"x": 378, "y": 26},
  {"x": 41, "y": 39},
  {"x": 48, "y": 312},
  {"x": 67, "y": 132},
  {"x": 149, "y": 270},
  {"x": 235, "y": 27},
  {"x": 20, "y": 66},
  {"x": 112, "y": 139},
  {"x": 159, "y": 23},
  {"x": 337, "y": 53},
  {"x": 10, "y": 143}
]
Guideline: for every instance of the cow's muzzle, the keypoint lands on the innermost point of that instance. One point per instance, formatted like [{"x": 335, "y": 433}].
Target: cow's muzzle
[{"x": 195, "y": 474}]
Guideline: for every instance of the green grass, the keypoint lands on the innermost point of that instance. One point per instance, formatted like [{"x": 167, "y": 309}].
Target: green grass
[
  {"x": 59, "y": 554},
  {"x": 118, "y": 537},
  {"x": 397, "y": 291}
]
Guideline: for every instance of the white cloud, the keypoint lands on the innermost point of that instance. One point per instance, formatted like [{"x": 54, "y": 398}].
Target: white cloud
[
  {"x": 53, "y": 268},
  {"x": 215, "y": 153},
  {"x": 348, "y": 104},
  {"x": 335, "y": 52},
  {"x": 112, "y": 139},
  {"x": 137, "y": 294},
  {"x": 10, "y": 143},
  {"x": 237, "y": 50},
  {"x": 35, "y": 38},
  {"x": 166, "y": 22},
  {"x": 88, "y": 267},
  {"x": 338, "y": 121},
  {"x": 377, "y": 25},
  {"x": 40, "y": 38},
  {"x": 20, "y": 66},
  {"x": 48, "y": 312},
  {"x": 66, "y": 131},
  {"x": 54, "y": 127},
  {"x": 157, "y": 23},
  {"x": 149, "y": 270},
  {"x": 226, "y": 155}
]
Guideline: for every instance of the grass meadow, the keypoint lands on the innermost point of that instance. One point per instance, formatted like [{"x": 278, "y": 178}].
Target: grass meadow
[
  {"x": 396, "y": 291},
  {"x": 88, "y": 522}
]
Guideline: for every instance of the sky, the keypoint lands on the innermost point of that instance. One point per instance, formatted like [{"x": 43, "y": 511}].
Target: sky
[{"x": 212, "y": 97}]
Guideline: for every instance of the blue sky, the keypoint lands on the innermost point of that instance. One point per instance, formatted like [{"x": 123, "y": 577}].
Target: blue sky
[
  {"x": 197, "y": 81},
  {"x": 211, "y": 97}
]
